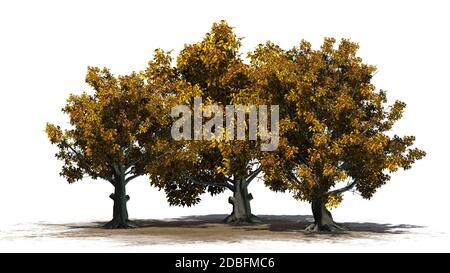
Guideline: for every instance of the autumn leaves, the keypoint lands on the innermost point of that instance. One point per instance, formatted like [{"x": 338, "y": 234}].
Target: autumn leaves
[
  {"x": 255, "y": 127},
  {"x": 331, "y": 129}
]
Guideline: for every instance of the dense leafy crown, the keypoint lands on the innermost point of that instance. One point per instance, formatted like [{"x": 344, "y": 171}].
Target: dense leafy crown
[
  {"x": 336, "y": 124},
  {"x": 215, "y": 66},
  {"x": 123, "y": 126}
]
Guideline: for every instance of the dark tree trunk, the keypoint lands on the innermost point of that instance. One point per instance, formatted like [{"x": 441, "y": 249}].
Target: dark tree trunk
[
  {"x": 120, "y": 212},
  {"x": 241, "y": 205},
  {"x": 323, "y": 221}
]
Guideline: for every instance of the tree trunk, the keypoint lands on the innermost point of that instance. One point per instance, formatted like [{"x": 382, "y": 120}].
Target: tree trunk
[
  {"x": 323, "y": 221},
  {"x": 241, "y": 205},
  {"x": 120, "y": 212}
]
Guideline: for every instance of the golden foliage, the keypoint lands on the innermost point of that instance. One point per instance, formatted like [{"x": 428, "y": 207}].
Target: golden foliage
[
  {"x": 334, "y": 117},
  {"x": 120, "y": 127},
  {"x": 333, "y": 125}
]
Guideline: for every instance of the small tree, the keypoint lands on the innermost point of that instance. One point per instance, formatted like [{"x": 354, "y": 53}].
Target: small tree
[
  {"x": 337, "y": 125},
  {"x": 214, "y": 65},
  {"x": 115, "y": 132}
]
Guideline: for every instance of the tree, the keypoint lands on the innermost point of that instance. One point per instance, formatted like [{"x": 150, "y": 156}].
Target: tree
[
  {"x": 214, "y": 65},
  {"x": 337, "y": 125},
  {"x": 116, "y": 131}
]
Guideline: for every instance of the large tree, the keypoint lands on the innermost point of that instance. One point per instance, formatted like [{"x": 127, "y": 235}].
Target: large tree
[
  {"x": 116, "y": 130},
  {"x": 215, "y": 66},
  {"x": 337, "y": 125}
]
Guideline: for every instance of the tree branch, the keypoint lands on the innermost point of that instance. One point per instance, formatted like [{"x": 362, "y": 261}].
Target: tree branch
[
  {"x": 81, "y": 158},
  {"x": 293, "y": 177},
  {"x": 137, "y": 160},
  {"x": 132, "y": 177},
  {"x": 130, "y": 171},
  {"x": 343, "y": 189},
  {"x": 129, "y": 148},
  {"x": 229, "y": 180},
  {"x": 195, "y": 181},
  {"x": 252, "y": 176},
  {"x": 141, "y": 157}
]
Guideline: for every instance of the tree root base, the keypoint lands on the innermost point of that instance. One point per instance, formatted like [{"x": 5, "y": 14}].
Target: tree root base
[
  {"x": 330, "y": 227},
  {"x": 252, "y": 219},
  {"x": 113, "y": 224}
]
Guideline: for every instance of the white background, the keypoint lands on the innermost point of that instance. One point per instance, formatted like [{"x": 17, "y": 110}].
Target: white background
[{"x": 46, "y": 46}]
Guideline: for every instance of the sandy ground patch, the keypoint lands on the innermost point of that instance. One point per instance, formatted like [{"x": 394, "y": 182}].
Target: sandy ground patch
[{"x": 210, "y": 228}]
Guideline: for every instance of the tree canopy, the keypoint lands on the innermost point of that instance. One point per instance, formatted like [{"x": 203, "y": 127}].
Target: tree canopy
[
  {"x": 215, "y": 66},
  {"x": 118, "y": 130},
  {"x": 337, "y": 124},
  {"x": 333, "y": 127}
]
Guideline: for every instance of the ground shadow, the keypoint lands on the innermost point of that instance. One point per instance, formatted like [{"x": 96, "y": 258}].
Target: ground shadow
[
  {"x": 211, "y": 228},
  {"x": 277, "y": 223},
  {"x": 274, "y": 223}
]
